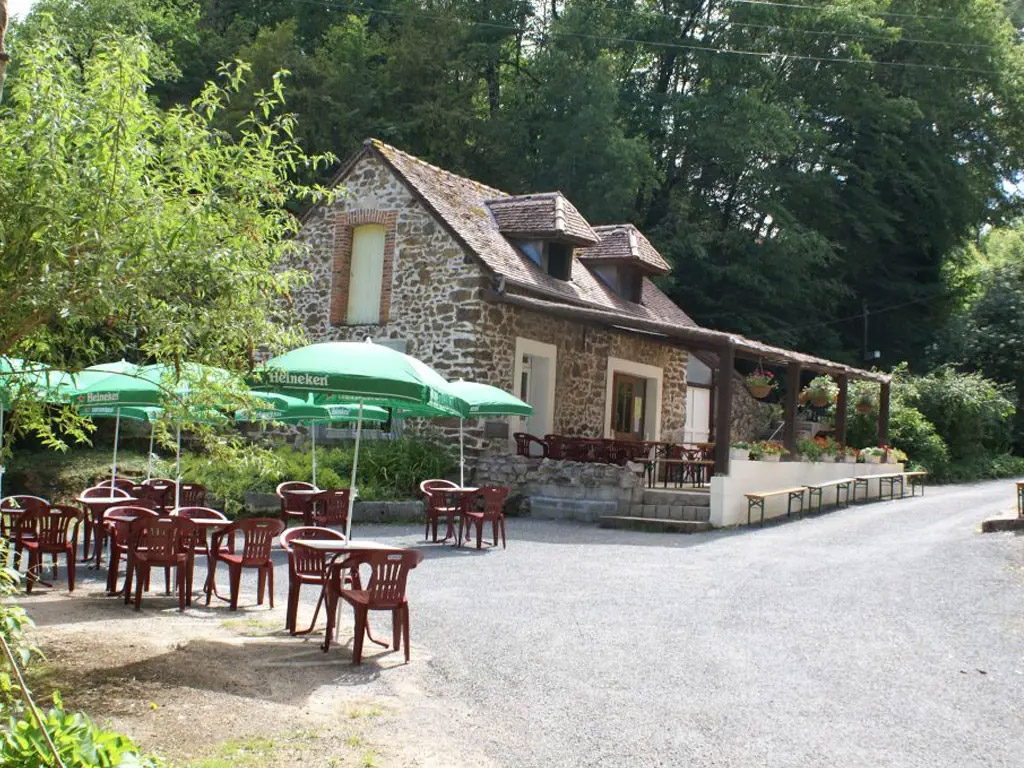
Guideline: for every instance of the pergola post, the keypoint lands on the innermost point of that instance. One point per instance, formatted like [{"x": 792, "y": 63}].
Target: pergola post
[
  {"x": 723, "y": 407},
  {"x": 789, "y": 408},
  {"x": 883, "y": 414},
  {"x": 840, "y": 426}
]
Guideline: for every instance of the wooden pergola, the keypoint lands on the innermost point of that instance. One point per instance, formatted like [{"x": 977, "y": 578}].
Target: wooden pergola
[{"x": 727, "y": 347}]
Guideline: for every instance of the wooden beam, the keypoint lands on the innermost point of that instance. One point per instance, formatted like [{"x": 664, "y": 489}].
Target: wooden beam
[
  {"x": 883, "y": 414},
  {"x": 789, "y": 408},
  {"x": 723, "y": 407},
  {"x": 844, "y": 393}
]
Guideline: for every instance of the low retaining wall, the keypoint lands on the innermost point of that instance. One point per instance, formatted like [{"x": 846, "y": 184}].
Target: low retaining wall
[
  {"x": 729, "y": 505},
  {"x": 362, "y": 511},
  {"x": 562, "y": 490}
]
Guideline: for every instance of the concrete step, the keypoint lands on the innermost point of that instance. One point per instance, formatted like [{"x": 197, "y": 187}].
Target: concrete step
[
  {"x": 677, "y": 497},
  {"x": 653, "y": 524},
  {"x": 668, "y": 512},
  {"x": 554, "y": 508}
]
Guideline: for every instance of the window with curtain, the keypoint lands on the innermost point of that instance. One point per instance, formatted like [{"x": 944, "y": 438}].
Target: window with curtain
[{"x": 366, "y": 274}]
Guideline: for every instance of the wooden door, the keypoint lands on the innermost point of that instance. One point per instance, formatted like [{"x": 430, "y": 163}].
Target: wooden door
[{"x": 629, "y": 406}]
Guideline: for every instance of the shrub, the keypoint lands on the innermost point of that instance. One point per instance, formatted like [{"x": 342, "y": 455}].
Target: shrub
[
  {"x": 388, "y": 469},
  {"x": 62, "y": 475},
  {"x": 79, "y": 743}
]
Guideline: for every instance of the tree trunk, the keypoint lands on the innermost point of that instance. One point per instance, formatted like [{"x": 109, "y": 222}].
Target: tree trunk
[{"x": 4, "y": 57}]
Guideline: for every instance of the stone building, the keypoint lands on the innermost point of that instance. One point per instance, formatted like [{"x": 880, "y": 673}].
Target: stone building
[{"x": 426, "y": 260}]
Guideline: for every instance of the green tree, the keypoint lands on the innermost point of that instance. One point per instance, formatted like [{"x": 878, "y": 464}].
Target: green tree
[{"x": 129, "y": 230}]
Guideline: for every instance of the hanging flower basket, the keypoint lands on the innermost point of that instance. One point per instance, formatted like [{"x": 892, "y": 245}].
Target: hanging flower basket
[
  {"x": 819, "y": 401},
  {"x": 863, "y": 407},
  {"x": 804, "y": 397},
  {"x": 760, "y": 383}
]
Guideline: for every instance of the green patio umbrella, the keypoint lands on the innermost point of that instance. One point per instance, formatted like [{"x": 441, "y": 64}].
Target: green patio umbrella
[
  {"x": 295, "y": 410},
  {"x": 484, "y": 400},
  {"x": 363, "y": 373},
  {"x": 153, "y": 386}
]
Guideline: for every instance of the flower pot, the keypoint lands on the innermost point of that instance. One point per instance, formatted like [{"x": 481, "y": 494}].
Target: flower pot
[
  {"x": 740, "y": 454},
  {"x": 863, "y": 407},
  {"x": 819, "y": 402},
  {"x": 760, "y": 391},
  {"x": 770, "y": 457},
  {"x": 803, "y": 398},
  {"x": 849, "y": 459},
  {"x": 827, "y": 459},
  {"x": 870, "y": 459}
]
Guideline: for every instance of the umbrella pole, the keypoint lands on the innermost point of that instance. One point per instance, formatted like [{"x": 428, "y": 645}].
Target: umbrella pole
[
  {"x": 352, "y": 484},
  {"x": 312, "y": 432},
  {"x": 149, "y": 466},
  {"x": 177, "y": 477},
  {"x": 462, "y": 458},
  {"x": 1, "y": 451},
  {"x": 117, "y": 436}
]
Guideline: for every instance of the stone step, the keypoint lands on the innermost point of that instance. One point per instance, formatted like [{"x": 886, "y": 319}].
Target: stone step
[
  {"x": 653, "y": 524},
  {"x": 667, "y": 512},
  {"x": 557, "y": 508},
  {"x": 675, "y": 497}
]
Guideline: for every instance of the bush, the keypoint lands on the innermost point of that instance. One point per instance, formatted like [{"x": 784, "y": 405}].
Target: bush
[{"x": 388, "y": 469}]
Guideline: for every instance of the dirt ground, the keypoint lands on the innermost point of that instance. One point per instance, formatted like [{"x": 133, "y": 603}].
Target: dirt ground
[{"x": 211, "y": 689}]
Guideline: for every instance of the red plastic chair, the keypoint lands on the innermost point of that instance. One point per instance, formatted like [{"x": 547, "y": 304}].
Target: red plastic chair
[
  {"x": 55, "y": 533},
  {"x": 197, "y": 542},
  {"x": 118, "y": 532},
  {"x": 385, "y": 591},
  {"x": 493, "y": 497},
  {"x": 94, "y": 520},
  {"x": 332, "y": 508},
  {"x": 159, "y": 542},
  {"x": 305, "y": 566},
  {"x": 257, "y": 539},
  {"x": 159, "y": 490},
  {"x": 14, "y": 525},
  {"x": 295, "y": 506},
  {"x": 122, "y": 483},
  {"x": 190, "y": 495},
  {"x": 434, "y": 504}
]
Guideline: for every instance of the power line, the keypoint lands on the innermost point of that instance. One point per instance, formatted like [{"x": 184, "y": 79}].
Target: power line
[
  {"x": 822, "y": 9},
  {"x": 700, "y": 47}
]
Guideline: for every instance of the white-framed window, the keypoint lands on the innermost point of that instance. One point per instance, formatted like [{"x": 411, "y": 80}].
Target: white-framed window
[
  {"x": 366, "y": 274},
  {"x": 650, "y": 399}
]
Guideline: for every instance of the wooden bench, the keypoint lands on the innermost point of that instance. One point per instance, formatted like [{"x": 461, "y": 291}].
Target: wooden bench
[
  {"x": 757, "y": 500},
  {"x": 1020, "y": 499},
  {"x": 815, "y": 489},
  {"x": 916, "y": 480},
  {"x": 890, "y": 477}
]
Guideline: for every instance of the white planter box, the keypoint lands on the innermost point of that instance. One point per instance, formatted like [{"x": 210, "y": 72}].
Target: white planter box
[
  {"x": 872, "y": 459},
  {"x": 739, "y": 454},
  {"x": 770, "y": 457},
  {"x": 849, "y": 459}
]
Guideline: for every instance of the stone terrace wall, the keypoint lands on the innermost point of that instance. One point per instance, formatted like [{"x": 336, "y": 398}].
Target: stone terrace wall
[{"x": 562, "y": 489}]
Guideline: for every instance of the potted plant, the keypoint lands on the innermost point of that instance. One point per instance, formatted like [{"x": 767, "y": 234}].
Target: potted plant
[
  {"x": 760, "y": 383},
  {"x": 872, "y": 455},
  {"x": 864, "y": 404},
  {"x": 830, "y": 449},
  {"x": 808, "y": 449},
  {"x": 822, "y": 391},
  {"x": 739, "y": 450},
  {"x": 767, "y": 450},
  {"x": 849, "y": 454},
  {"x": 894, "y": 455}
]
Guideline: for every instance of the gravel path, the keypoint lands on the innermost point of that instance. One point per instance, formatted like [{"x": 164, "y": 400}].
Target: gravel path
[{"x": 883, "y": 635}]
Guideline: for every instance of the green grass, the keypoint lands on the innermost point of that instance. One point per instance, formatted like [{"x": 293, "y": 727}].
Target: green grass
[
  {"x": 240, "y": 753},
  {"x": 252, "y": 627}
]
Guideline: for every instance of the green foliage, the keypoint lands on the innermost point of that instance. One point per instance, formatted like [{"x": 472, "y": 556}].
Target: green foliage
[
  {"x": 60, "y": 476},
  {"x": 127, "y": 230},
  {"x": 79, "y": 742},
  {"x": 388, "y": 469},
  {"x": 810, "y": 449}
]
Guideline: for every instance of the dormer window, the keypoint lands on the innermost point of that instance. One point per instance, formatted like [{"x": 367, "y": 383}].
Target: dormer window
[
  {"x": 625, "y": 280},
  {"x": 551, "y": 256}
]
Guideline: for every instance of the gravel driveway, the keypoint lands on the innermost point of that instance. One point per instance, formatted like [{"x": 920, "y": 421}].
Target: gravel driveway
[{"x": 883, "y": 635}]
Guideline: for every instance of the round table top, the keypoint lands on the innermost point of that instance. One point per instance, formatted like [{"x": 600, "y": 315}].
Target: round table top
[
  {"x": 305, "y": 491},
  {"x": 108, "y": 500}
]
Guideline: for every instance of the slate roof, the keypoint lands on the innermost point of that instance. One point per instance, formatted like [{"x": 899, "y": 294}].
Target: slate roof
[
  {"x": 462, "y": 205},
  {"x": 547, "y": 215},
  {"x": 625, "y": 243}
]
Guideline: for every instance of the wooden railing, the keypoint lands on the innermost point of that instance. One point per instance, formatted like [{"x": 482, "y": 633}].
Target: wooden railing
[{"x": 607, "y": 451}]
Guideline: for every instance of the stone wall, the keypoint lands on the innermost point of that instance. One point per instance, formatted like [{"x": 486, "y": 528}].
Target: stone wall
[
  {"x": 751, "y": 419},
  {"x": 582, "y": 365},
  {"x": 562, "y": 489}
]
